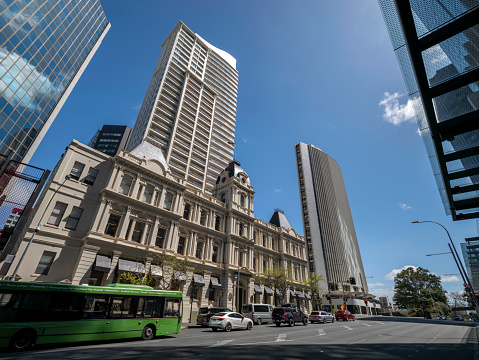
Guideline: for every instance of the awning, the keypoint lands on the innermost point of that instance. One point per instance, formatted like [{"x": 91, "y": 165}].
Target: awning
[
  {"x": 179, "y": 276},
  {"x": 292, "y": 294},
  {"x": 130, "y": 266},
  {"x": 257, "y": 289},
  {"x": 307, "y": 296},
  {"x": 215, "y": 283},
  {"x": 299, "y": 295},
  {"x": 156, "y": 271},
  {"x": 102, "y": 263},
  {"x": 198, "y": 280},
  {"x": 268, "y": 291}
]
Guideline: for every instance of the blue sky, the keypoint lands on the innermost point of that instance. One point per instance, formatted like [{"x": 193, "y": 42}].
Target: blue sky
[{"x": 309, "y": 71}]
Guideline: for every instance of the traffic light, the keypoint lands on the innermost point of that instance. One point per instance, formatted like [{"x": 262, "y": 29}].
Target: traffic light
[
  {"x": 420, "y": 302},
  {"x": 366, "y": 301},
  {"x": 352, "y": 281},
  {"x": 328, "y": 297}
]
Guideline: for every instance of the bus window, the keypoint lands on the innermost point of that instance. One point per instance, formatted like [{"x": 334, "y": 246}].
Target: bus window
[
  {"x": 34, "y": 307},
  {"x": 95, "y": 307},
  {"x": 65, "y": 306},
  {"x": 172, "y": 308},
  {"x": 123, "y": 307},
  {"x": 9, "y": 304}
]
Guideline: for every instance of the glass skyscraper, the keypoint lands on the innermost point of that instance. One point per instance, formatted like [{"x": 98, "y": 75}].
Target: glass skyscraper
[
  {"x": 190, "y": 107},
  {"x": 45, "y": 47},
  {"x": 437, "y": 46}
]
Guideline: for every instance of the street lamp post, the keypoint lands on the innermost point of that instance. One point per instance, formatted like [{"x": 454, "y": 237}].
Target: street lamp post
[
  {"x": 460, "y": 267},
  {"x": 37, "y": 229}
]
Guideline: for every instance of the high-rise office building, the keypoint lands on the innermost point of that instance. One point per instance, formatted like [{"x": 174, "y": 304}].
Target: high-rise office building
[
  {"x": 332, "y": 246},
  {"x": 190, "y": 107},
  {"x": 437, "y": 46},
  {"x": 45, "y": 45},
  {"x": 111, "y": 138},
  {"x": 470, "y": 253}
]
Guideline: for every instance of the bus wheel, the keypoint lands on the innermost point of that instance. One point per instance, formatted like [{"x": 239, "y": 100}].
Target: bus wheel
[
  {"x": 23, "y": 339},
  {"x": 148, "y": 332}
]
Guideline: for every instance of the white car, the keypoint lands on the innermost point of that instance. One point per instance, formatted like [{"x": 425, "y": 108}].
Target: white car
[
  {"x": 230, "y": 320},
  {"x": 320, "y": 317}
]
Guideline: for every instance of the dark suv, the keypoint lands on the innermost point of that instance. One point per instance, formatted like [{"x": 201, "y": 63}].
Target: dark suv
[
  {"x": 289, "y": 315},
  {"x": 207, "y": 312}
]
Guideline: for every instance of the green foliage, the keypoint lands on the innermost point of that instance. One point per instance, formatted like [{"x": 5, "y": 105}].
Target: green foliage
[
  {"x": 278, "y": 279},
  {"x": 411, "y": 285},
  {"x": 317, "y": 293},
  {"x": 174, "y": 272}
]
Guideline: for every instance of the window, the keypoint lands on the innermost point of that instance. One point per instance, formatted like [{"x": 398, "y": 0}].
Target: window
[
  {"x": 211, "y": 294},
  {"x": 217, "y": 223},
  {"x": 181, "y": 245},
  {"x": 264, "y": 240},
  {"x": 95, "y": 307},
  {"x": 241, "y": 200},
  {"x": 76, "y": 171},
  {"x": 123, "y": 307},
  {"x": 223, "y": 197},
  {"x": 240, "y": 258},
  {"x": 160, "y": 237},
  {"x": 186, "y": 213},
  {"x": 148, "y": 194},
  {"x": 91, "y": 177},
  {"x": 272, "y": 244},
  {"x": 199, "y": 250},
  {"x": 140, "y": 188},
  {"x": 265, "y": 265},
  {"x": 168, "y": 201},
  {"x": 74, "y": 218},
  {"x": 203, "y": 217},
  {"x": 214, "y": 256},
  {"x": 241, "y": 229},
  {"x": 255, "y": 264},
  {"x": 112, "y": 225},
  {"x": 125, "y": 185},
  {"x": 45, "y": 263},
  {"x": 138, "y": 232},
  {"x": 172, "y": 308},
  {"x": 57, "y": 214}
]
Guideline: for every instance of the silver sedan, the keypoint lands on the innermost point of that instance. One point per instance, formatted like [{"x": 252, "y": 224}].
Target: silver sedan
[
  {"x": 230, "y": 320},
  {"x": 320, "y": 317}
]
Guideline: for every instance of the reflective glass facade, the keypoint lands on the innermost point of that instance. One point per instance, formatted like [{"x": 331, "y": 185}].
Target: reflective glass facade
[
  {"x": 470, "y": 253},
  {"x": 44, "y": 47},
  {"x": 437, "y": 46}
]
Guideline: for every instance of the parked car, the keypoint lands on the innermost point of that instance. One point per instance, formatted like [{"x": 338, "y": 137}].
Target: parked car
[
  {"x": 441, "y": 317},
  {"x": 320, "y": 317},
  {"x": 230, "y": 320},
  {"x": 344, "y": 315},
  {"x": 458, "y": 318},
  {"x": 289, "y": 315},
  {"x": 206, "y": 313},
  {"x": 259, "y": 313}
]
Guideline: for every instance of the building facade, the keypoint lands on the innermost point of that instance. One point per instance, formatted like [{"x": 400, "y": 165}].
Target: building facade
[
  {"x": 110, "y": 139},
  {"x": 332, "y": 246},
  {"x": 45, "y": 47},
  {"x": 189, "y": 108},
  {"x": 470, "y": 253},
  {"x": 437, "y": 47},
  {"x": 120, "y": 214}
]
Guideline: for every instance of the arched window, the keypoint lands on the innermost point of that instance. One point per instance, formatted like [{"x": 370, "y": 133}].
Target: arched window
[
  {"x": 242, "y": 198},
  {"x": 125, "y": 184}
]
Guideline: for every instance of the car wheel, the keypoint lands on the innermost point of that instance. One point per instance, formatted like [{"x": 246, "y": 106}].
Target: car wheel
[
  {"x": 305, "y": 322},
  {"x": 291, "y": 322},
  {"x": 228, "y": 327},
  {"x": 354, "y": 318},
  {"x": 259, "y": 321},
  {"x": 249, "y": 326},
  {"x": 148, "y": 332},
  {"x": 23, "y": 340},
  {"x": 278, "y": 323},
  {"x": 214, "y": 329},
  {"x": 324, "y": 321},
  {"x": 333, "y": 320}
]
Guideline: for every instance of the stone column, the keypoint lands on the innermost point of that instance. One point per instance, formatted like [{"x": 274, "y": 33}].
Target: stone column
[
  {"x": 172, "y": 236},
  {"x": 145, "y": 233},
  {"x": 154, "y": 231},
  {"x": 103, "y": 221},
  {"x": 125, "y": 220},
  {"x": 114, "y": 263},
  {"x": 128, "y": 236},
  {"x": 85, "y": 260}
]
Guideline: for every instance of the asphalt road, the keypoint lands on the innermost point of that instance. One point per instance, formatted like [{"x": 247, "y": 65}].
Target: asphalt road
[{"x": 365, "y": 338}]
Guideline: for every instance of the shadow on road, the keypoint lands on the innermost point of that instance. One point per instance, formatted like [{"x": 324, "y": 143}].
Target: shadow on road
[{"x": 416, "y": 320}]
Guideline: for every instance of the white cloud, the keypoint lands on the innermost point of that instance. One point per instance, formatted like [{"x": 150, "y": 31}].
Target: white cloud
[
  {"x": 277, "y": 190},
  {"x": 449, "y": 279},
  {"x": 376, "y": 285},
  {"x": 394, "y": 272},
  {"x": 404, "y": 206},
  {"x": 245, "y": 140},
  {"x": 394, "y": 112}
]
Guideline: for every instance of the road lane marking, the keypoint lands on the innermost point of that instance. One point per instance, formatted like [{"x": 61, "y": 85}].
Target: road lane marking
[
  {"x": 221, "y": 343},
  {"x": 281, "y": 337},
  {"x": 357, "y": 341},
  {"x": 367, "y": 325},
  {"x": 347, "y": 328},
  {"x": 321, "y": 332}
]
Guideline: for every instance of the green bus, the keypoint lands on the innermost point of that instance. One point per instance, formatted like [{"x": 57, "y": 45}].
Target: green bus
[{"x": 41, "y": 313}]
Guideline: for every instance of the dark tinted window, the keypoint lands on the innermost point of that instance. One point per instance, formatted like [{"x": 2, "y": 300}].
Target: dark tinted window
[
  {"x": 261, "y": 308},
  {"x": 278, "y": 311},
  {"x": 203, "y": 311}
]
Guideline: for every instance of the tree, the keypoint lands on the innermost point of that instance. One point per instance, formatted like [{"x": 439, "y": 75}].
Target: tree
[
  {"x": 174, "y": 271},
  {"x": 312, "y": 284},
  {"x": 412, "y": 285},
  {"x": 277, "y": 279},
  {"x": 458, "y": 298}
]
